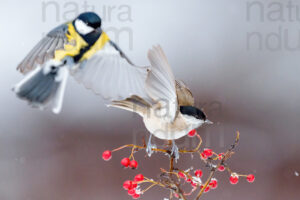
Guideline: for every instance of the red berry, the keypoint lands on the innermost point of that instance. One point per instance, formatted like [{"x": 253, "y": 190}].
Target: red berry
[
  {"x": 192, "y": 133},
  {"x": 106, "y": 155},
  {"x": 193, "y": 184},
  {"x": 221, "y": 156},
  {"x": 139, "y": 177},
  {"x": 213, "y": 183},
  {"x": 203, "y": 156},
  {"x": 221, "y": 168},
  {"x": 181, "y": 175},
  {"x": 208, "y": 152},
  {"x": 250, "y": 178},
  {"x": 134, "y": 184},
  {"x": 198, "y": 173},
  {"x": 127, "y": 185},
  {"x": 176, "y": 195},
  {"x": 125, "y": 162},
  {"x": 133, "y": 164},
  {"x": 131, "y": 192},
  {"x": 207, "y": 189},
  {"x": 136, "y": 196},
  {"x": 234, "y": 178}
]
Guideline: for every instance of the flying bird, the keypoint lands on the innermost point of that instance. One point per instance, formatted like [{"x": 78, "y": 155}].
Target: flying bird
[
  {"x": 168, "y": 111},
  {"x": 80, "y": 48}
]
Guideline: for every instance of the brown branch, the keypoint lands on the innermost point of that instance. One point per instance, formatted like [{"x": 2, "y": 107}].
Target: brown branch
[{"x": 161, "y": 150}]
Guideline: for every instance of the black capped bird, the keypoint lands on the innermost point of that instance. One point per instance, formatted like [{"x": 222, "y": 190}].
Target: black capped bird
[
  {"x": 168, "y": 111},
  {"x": 80, "y": 48}
]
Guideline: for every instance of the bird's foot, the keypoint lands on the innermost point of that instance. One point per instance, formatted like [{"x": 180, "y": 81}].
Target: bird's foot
[
  {"x": 175, "y": 151},
  {"x": 150, "y": 147}
]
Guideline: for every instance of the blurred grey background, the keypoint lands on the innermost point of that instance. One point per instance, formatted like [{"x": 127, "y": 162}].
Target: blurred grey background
[{"x": 240, "y": 59}]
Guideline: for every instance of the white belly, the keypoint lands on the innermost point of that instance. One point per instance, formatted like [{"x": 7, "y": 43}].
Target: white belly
[{"x": 168, "y": 131}]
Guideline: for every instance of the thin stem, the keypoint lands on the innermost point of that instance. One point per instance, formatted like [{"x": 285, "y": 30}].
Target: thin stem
[
  {"x": 138, "y": 147},
  {"x": 131, "y": 155},
  {"x": 152, "y": 185},
  {"x": 206, "y": 184},
  {"x": 227, "y": 155},
  {"x": 165, "y": 171},
  {"x": 171, "y": 164},
  {"x": 193, "y": 150}
]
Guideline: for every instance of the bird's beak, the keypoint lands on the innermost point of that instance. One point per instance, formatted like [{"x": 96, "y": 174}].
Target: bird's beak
[
  {"x": 208, "y": 122},
  {"x": 99, "y": 30}
]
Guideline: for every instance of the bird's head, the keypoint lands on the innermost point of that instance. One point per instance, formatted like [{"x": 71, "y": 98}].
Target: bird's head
[
  {"x": 194, "y": 115},
  {"x": 87, "y": 22}
]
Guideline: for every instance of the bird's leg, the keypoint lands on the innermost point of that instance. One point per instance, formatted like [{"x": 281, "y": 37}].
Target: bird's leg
[
  {"x": 175, "y": 151},
  {"x": 150, "y": 146}
]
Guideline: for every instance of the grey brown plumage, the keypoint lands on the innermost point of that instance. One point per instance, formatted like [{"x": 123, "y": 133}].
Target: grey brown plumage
[
  {"x": 134, "y": 104},
  {"x": 184, "y": 95},
  {"x": 45, "y": 49},
  {"x": 162, "y": 116}
]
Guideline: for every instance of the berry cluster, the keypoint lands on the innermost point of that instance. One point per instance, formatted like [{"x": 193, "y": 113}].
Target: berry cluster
[
  {"x": 132, "y": 186},
  {"x": 195, "y": 180},
  {"x": 234, "y": 178},
  {"x": 126, "y": 162},
  {"x": 174, "y": 178}
]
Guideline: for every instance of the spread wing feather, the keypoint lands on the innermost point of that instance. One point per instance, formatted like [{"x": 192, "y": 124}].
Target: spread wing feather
[
  {"x": 109, "y": 74},
  {"x": 44, "y": 50},
  {"x": 160, "y": 83}
]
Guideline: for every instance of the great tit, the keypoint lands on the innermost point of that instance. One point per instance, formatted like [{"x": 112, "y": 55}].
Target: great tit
[
  {"x": 168, "y": 111},
  {"x": 80, "y": 48}
]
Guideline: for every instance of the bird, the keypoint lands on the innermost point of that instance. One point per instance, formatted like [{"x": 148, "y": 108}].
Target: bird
[
  {"x": 168, "y": 111},
  {"x": 79, "y": 48}
]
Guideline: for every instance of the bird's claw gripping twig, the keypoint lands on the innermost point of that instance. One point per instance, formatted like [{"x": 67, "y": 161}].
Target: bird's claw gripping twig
[
  {"x": 175, "y": 151},
  {"x": 150, "y": 146}
]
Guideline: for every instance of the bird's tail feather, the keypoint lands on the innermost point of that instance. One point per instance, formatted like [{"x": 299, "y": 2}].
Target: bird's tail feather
[
  {"x": 134, "y": 104},
  {"x": 43, "y": 85},
  {"x": 58, "y": 101}
]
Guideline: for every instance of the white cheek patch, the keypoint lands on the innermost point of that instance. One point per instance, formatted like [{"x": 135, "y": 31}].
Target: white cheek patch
[
  {"x": 82, "y": 28},
  {"x": 192, "y": 120}
]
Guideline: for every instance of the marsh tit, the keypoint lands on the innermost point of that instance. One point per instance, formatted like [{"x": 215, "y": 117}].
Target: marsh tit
[
  {"x": 80, "y": 48},
  {"x": 168, "y": 112}
]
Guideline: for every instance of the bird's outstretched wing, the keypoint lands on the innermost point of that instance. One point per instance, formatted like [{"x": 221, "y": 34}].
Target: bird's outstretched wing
[
  {"x": 45, "y": 49},
  {"x": 184, "y": 95},
  {"x": 111, "y": 74},
  {"x": 160, "y": 83}
]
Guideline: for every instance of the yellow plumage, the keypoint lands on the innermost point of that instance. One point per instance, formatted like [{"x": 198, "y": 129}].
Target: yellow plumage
[
  {"x": 76, "y": 43},
  {"x": 99, "y": 44}
]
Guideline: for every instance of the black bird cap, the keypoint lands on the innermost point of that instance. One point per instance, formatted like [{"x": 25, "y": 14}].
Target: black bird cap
[
  {"x": 91, "y": 19},
  {"x": 193, "y": 111}
]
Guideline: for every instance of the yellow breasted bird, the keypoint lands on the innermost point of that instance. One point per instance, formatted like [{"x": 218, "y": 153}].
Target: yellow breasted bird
[{"x": 80, "y": 48}]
